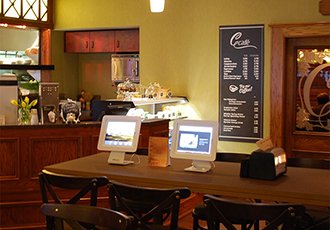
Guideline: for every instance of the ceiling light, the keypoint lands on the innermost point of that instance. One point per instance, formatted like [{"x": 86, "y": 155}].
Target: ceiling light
[{"x": 157, "y": 6}]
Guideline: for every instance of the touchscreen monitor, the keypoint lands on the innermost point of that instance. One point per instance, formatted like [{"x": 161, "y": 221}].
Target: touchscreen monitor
[
  {"x": 195, "y": 140},
  {"x": 119, "y": 134}
]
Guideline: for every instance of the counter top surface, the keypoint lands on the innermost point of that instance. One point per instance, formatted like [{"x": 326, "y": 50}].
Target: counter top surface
[{"x": 80, "y": 124}]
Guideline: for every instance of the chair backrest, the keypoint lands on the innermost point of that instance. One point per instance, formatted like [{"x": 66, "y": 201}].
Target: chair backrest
[
  {"x": 84, "y": 185},
  {"x": 52, "y": 185},
  {"x": 76, "y": 215},
  {"x": 221, "y": 210},
  {"x": 148, "y": 206}
]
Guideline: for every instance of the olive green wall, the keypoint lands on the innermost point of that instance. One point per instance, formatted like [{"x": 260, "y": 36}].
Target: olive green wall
[
  {"x": 179, "y": 47},
  {"x": 66, "y": 67}
]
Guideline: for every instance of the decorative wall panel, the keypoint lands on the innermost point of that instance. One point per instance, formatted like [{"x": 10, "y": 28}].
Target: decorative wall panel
[{"x": 9, "y": 149}]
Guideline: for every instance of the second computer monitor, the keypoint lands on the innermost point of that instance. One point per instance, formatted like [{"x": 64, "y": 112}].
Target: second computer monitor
[{"x": 195, "y": 140}]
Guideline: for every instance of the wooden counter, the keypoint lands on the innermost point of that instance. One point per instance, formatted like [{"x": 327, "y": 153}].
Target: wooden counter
[{"x": 26, "y": 150}]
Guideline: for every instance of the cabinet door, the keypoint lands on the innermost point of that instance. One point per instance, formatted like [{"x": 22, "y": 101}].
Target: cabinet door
[
  {"x": 77, "y": 42},
  {"x": 102, "y": 41},
  {"x": 127, "y": 41}
]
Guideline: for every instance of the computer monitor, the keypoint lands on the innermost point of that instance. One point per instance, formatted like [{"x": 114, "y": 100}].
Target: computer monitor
[
  {"x": 195, "y": 140},
  {"x": 118, "y": 135}
]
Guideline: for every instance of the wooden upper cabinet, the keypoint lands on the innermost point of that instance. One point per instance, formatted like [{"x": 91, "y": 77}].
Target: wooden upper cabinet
[
  {"x": 90, "y": 42},
  {"x": 107, "y": 41},
  {"x": 127, "y": 41},
  {"x": 102, "y": 41},
  {"x": 77, "y": 42}
]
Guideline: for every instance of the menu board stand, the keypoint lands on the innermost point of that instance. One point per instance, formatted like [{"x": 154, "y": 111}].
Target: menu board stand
[{"x": 241, "y": 83}]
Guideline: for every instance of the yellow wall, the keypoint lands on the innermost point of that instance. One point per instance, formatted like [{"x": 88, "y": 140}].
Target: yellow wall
[{"x": 179, "y": 47}]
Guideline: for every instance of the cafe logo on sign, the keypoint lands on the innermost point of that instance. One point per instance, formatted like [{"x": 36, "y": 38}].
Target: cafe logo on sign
[
  {"x": 240, "y": 44},
  {"x": 243, "y": 89}
]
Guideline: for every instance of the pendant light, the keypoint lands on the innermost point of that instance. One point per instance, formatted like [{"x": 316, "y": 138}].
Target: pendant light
[{"x": 157, "y": 6}]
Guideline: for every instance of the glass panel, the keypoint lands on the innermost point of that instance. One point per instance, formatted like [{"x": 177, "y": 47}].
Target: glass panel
[
  {"x": 313, "y": 81},
  {"x": 43, "y": 10},
  {"x": 12, "y": 8},
  {"x": 30, "y": 9},
  {"x": 19, "y": 46}
]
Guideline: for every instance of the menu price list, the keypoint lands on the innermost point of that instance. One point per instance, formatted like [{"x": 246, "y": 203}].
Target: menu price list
[{"x": 241, "y": 89}]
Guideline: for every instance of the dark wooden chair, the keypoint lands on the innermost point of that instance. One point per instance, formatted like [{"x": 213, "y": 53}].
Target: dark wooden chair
[
  {"x": 52, "y": 186},
  {"x": 150, "y": 207},
  {"x": 75, "y": 216},
  {"x": 321, "y": 224},
  {"x": 221, "y": 210},
  {"x": 319, "y": 216},
  {"x": 199, "y": 211}
]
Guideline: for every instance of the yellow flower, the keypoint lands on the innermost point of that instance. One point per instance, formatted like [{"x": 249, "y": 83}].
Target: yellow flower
[
  {"x": 24, "y": 103},
  {"x": 26, "y": 100},
  {"x": 34, "y": 102},
  {"x": 14, "y": 102}
]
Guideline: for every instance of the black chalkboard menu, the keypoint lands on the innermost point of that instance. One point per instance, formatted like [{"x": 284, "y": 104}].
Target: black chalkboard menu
[{"x": 241, "y": 83}]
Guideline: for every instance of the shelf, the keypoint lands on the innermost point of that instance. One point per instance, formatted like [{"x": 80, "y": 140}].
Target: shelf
[
  {"x": 153, "y": 106},
  {"x": 28, "y": 67},
  {"x": 146, "y": 101}
]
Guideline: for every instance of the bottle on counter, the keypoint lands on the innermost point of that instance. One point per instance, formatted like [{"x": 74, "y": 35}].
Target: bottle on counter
[{"x": 34, "y": 117}]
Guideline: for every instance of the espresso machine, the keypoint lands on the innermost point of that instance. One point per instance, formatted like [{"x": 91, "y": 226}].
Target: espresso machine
[{"x": 49, "y": 102}]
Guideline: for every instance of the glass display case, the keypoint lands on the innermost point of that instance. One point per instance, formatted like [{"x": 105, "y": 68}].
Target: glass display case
[{"x": 166, "y": 108}]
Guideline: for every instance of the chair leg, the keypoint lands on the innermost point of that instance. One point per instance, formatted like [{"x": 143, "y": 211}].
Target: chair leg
[
  {"x": 217, "y": 225},
  {"x": 196, "y": 225}
]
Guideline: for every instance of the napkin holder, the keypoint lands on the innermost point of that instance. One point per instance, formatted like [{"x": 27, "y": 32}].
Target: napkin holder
[{"x": 266, "y": 165}]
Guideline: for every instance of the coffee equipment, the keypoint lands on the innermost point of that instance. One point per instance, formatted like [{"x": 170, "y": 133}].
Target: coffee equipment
[
  {"x": 49, "y": 102},
  {"x": 125, "y": 67}
]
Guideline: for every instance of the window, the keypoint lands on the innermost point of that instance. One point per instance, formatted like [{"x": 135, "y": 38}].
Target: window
[
  {"x": 313, "y": 85},
  {"x": 37, "y": 13}
]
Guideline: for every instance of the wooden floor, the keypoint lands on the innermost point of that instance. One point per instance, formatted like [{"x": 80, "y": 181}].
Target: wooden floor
[
  {"x": 185, "y": 218},
  {"x": 186, "y": 222}
]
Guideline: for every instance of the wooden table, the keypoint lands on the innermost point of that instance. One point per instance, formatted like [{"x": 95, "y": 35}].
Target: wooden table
[{"x": 298, "y": 185}]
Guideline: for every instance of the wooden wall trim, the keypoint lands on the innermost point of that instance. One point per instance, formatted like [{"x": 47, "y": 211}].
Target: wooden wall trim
[
  {"x": 324, "y": 7},
  {"x": 45, "y": 53},
  {"x": 279, "y": 33},
  {"x": 302, "y": 30},
  {"x": 276, "y": 87}
]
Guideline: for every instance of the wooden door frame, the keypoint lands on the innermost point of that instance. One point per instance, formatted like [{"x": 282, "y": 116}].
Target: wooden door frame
[{"x": 279, "y": 34}]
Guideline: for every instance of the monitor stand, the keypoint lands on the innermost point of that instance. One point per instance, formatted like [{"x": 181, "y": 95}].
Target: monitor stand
[
  {"x": 118, "y": 158},
  {"x": 199, "y": 166}
]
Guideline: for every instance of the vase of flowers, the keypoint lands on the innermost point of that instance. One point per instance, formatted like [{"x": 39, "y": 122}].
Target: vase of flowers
[{"x": 24, "y": 109}]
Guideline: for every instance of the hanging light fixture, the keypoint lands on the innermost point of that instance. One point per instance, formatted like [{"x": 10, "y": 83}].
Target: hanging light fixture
[{"x": 157, "y": 6}]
